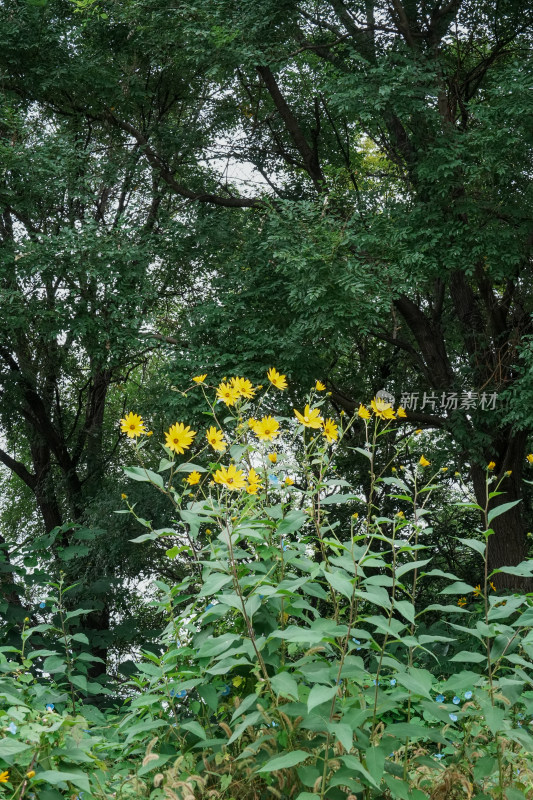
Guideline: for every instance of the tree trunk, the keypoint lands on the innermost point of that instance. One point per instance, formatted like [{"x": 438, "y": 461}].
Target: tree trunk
[{"x": 508, "y": 545}]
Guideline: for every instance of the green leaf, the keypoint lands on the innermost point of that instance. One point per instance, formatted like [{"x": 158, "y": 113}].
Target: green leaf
[
  {"x": 458, "y": 587},
  {"x": 524, "y": 569},
  {"x": 292, "y": 522},
  {"x": 188, "y": 467},
  {"x": 375, "y": 762},
  {"x": 466, "y": 656},
  {"x": 418, "y": 681},
  {"x": 320, "y": 694},
  {"x": 214, "y": 583},
  {"x": 474, "y": 544},
  {"x": 353, "y": 763},
  {"x": 145, "y": 475},
  {"x": 495, "y": 512},
  {"x": 80, "y": 681},
  {"x": 55, "y": 777},
  {"x": 244, "y": 706},
  {"x": 251, "y": 719},
  {"x": 12, "y": 747},
  {"x": 401, "y": 570},
  {"x": 195, "y": 728},
  {"x": 343, "y": 734},
  {"x": 338, "y": 498},
  {"x": 285, "y": 685},
  {"x": 79, "y": 612},
  {"x": 284, "y": 762},
  {"x": 406, "y": 609},
  {"x": 340, "y": 584},
  {"x": 144, "y": 537},
  {"x": 54, "y": 664}
]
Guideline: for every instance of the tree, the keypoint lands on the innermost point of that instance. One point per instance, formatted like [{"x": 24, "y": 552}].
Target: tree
[
  {"x": 84, "y": 259},
  {"x": 394, "y": 145}
]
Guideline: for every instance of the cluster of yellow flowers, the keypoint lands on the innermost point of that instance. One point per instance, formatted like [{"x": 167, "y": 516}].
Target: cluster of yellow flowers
[
  {"x": 179, "y": 437},
  {"x": 381, "y": 409}
]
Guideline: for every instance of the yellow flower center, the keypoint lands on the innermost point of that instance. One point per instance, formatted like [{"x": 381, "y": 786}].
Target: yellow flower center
[{"x": 230, "y": 480}]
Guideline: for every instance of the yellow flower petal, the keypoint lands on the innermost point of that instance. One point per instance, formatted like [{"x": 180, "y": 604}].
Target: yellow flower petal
[
  {"x": 310, "y": 418},
  {"x": 179, "y": 438},
  {"x": 215, "y": 437},
  {"x": 230, "y": 477},
  {"x": 267, "y": 429},
  {"x": 330, "y": 431},
  {"x": 277, "y": 380},
  {"x": 363, "y": 412},
  {"x": 132, "y": 425}
]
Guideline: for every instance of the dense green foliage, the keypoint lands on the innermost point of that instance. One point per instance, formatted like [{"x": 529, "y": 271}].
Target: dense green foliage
[
  {"x": 339, "y": 188},
  {"x": 297, "y": 660}
]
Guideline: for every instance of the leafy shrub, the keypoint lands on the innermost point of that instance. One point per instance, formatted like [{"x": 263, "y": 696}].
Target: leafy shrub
[{"x": 295, "y": 662}]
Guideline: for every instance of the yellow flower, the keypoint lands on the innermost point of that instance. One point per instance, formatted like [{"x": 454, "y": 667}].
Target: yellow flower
[
  {"x": 319, "y": 386},
  {"x": 530, "y": 458},
  {"x": 237, "y": 680},
  {"x": 273, "y": 457},
  {"x": 228, "y": 393},
  {"x": 289, "y": 482},
  {"x": 424, "y": 462},
  {"x": 200, "y": 378},
  {"x": 444, "y": 469},
  {"x": 149, "y": 433},
  {"x": 400, "y": 514},
  {"x": 179, "y": 438},
  {"x": 231, "y": 478},
  {"x": 124, "y": 496},
  {"x": 418, "y": 431},
  {"x": 508, "y": 472},
  {"x": 193, "y": 478},
  {"x": 330, "y": 430},
  {"x": 382, "y": 409},
  {"x": 267, "y": 429},
  {"x": 254, "y": 482},
  {"x": 4, "y": 776},
  {"x": 208, "y": 531},
  {"x": 310, "y": 418},
  {"x": 277, "y": 380},
  {"x": 457, "y": 474},
  {"x": 252, "y": 423},
  {"x": 244, "y": 387},
  {"x": 491, "y": 584},
  {"x": 491, "y": 465},
  {"x": 363, "y": 412},
  {"x": 477, "y": 591},
  {"x": 132, "y": 425},
  {"x": 401, "y": 412},
  {"x": 355, "y": 515},
  {"x": 215, "y": 437},
  {"x": 30, "y": 774},
  {"x": 461, "y": 602}
]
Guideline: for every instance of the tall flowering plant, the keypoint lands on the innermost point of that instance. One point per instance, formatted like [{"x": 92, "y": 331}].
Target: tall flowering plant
[{"x": 299, "y": 632}]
